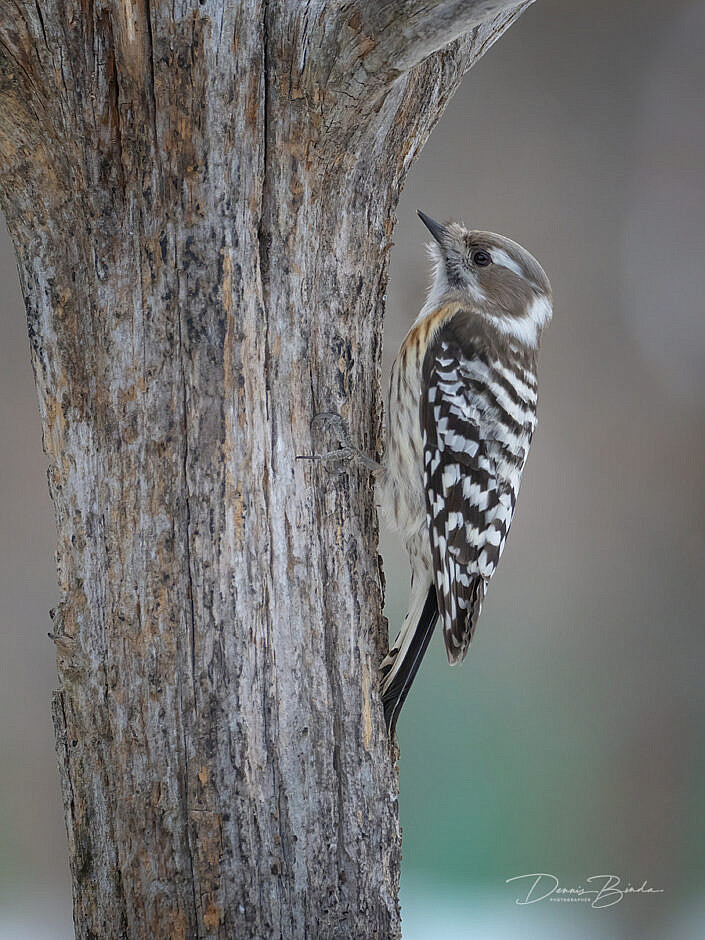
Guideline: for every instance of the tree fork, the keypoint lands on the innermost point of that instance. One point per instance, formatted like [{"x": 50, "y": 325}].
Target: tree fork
[{"x": 201, "y": 198}]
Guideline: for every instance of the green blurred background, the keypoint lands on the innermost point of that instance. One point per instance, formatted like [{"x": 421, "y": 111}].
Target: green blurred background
[{"x": 571, "y": 741}]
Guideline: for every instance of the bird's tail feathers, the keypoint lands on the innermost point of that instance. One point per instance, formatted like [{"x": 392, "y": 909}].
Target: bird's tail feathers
[{"x": 402, "y": 663}]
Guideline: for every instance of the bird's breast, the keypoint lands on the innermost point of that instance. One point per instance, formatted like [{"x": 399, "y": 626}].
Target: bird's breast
[{"x": 404, "y": 498}]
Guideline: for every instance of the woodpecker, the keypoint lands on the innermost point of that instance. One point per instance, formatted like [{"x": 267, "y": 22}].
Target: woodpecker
[{"x": 461, "y": 414}]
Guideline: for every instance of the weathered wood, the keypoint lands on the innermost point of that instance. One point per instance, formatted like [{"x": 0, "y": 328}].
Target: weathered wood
[{"x": 202, "y": 198}]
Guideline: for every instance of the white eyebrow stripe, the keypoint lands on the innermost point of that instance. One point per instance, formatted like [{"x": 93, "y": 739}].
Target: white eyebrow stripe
[{"x": 499, "y": 256}]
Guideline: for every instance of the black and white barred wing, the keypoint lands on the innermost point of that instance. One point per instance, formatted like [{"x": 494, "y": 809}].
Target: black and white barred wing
[{"x": 474, "y": 452}]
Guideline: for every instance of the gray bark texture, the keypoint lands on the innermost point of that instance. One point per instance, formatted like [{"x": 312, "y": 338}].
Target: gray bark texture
[{"x": 201, "y": 196}]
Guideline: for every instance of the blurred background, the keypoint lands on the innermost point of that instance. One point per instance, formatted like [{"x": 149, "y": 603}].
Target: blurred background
[{"x": 572, "y": 740}]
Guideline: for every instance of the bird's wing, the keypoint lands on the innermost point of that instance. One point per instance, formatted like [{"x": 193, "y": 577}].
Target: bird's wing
[{"x": 472, "y": 467}]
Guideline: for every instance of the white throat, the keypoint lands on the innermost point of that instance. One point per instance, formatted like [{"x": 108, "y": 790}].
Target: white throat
[
  {"x": 439, "y": 282},
  {"x": 439, "y": 290}
]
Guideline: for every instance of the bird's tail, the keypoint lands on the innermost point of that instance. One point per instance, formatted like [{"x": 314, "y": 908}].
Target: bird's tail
[{"x": 401, "y": 665}]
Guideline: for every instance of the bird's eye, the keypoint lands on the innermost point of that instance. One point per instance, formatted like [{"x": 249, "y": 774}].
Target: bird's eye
[{"x": 481, "y": 258}]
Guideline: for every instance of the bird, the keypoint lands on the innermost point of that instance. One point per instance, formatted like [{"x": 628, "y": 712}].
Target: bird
[{"x": 461, "y": 415}]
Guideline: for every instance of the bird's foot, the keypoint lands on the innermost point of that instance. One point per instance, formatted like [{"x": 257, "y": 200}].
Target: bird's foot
[{"x": 330, "y": 427}]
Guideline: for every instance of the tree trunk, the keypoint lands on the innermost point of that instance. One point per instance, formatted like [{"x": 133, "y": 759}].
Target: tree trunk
[{"x": 201, "y": 197}]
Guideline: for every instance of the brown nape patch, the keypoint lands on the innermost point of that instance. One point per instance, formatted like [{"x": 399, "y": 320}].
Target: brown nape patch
[{"x": 418, "y": 337}]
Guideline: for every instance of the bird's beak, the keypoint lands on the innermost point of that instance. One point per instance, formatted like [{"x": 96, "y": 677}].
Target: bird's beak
[{"x": 435, "y": 228}]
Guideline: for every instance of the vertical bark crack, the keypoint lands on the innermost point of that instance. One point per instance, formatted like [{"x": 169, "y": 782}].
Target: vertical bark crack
[
  {"x": 264, "y": 239},
  {"x": 114, "y": 93},
  {"x": 41, "y": 23},
  {"x": 152, "y": 90},
  {"x": 190, "y": 584}
]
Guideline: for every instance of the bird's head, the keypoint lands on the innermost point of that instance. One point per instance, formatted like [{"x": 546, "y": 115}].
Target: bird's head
[{"x": 493, "y": 275}]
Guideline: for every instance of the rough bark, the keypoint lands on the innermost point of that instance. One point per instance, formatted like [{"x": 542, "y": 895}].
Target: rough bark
[{"x": 201, "y": 197}]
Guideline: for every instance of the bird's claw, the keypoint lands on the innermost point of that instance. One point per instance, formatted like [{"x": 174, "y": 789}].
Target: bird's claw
[{"x": 335, "y": 428}]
